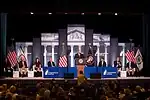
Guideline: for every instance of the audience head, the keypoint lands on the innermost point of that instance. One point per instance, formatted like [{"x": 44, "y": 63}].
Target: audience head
[
  {"x": 5, "y": 86},
  {"x": 2, "y": 89},
  {"x": 12, "y": 89}
]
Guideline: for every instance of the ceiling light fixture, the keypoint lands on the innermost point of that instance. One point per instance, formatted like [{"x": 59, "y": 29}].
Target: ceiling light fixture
[
  {"x": 116, "y": 14},
  {"x": 99, "y": 13},
  {"x": 82, "y": 13},
  {"x": 31, "y": 13}
]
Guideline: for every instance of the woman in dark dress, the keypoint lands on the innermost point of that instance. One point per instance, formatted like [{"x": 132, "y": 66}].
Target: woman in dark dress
[{"x": 37, "y": 65}]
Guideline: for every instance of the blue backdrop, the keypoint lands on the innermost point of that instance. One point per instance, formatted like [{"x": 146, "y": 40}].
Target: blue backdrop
[{"x": 58, "y": 72}]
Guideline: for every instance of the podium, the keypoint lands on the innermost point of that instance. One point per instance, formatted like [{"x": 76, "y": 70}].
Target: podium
[{"x": 80, "y": 63}]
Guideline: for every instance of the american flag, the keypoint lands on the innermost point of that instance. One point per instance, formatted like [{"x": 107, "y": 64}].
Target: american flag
[
  {"x": 63, "y": 59},
  {"x": 130, "y": 56},
  {"x": 12, "y": 56}
]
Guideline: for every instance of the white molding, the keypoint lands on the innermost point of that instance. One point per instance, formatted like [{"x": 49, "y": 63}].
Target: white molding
[
  {"x": 24, "y": 43},
  {"x": 121, "y": 44},
  {"x": 49, "y": 37}
]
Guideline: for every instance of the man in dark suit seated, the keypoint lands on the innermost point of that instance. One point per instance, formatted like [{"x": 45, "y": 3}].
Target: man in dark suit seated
[
  {"x": 51, "y": 63},
  {"x": 23, "y": 67},
  {"x": 102, "y": 63},
  {"x": 118, "y": 64},
  {"x": 8, "y": 71},
  {"x": 131, "y": 68}
]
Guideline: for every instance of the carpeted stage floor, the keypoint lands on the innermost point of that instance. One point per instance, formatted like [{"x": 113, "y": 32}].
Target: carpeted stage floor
[{"x": 123, "y": 82}]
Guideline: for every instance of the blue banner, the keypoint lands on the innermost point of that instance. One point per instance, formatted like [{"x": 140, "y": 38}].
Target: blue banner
[
  {"x": 89, "y": 70},
  {"x": 62, "y": 70},
  {"x": 50, "y": 72},
  {"x": 73, "y": 70},
  {"x": 58, "y": 72},
  {"x": 109, "y": 72}
]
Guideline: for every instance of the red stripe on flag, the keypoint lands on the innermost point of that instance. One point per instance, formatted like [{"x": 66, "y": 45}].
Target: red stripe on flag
[
  {"x": 130, "y": 56},
  {"x": 12, "y": 57},
  {"x": 63, "y": 61}
]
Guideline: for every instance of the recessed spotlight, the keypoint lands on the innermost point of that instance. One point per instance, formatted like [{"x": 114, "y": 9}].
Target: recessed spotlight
[
  {"x": 82, "y": 13},
  {"x": 31, "y": 13},
  {"x": 49, "y": 13},
  {"x": 66, "y": 13},
  {"x": 116, "y": 14},
  {"x": 99, "y": 13}
]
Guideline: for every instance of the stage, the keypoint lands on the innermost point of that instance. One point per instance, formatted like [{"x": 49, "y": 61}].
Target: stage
[{"x": 123, "y": 82}]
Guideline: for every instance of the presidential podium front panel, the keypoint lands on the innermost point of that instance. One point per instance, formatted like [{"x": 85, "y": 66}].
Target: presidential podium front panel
[{"x": 80, "y": 64}]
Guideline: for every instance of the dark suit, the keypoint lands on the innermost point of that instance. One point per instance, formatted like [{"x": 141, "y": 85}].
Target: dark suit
[
  {"x": 79, "y": 55},
  {"x": 37, "y": 65},
  {"x": 7, "y": 65},
  {"x": 133, "y": 65},
  {"x": 51, "y": 64},
  {"x": 117, "y": 64},
  {"x": 102, "y": 64},
  {"x": 131, "y": 69},
  {"x": 8, "y": 70}
]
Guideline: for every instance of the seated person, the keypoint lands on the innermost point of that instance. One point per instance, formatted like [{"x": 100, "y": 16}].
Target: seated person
[
  {"x": 90, "y": 61},
  {"x": 37, "y": 65},
  {"x": 131, "y": 68},
  {"x": 7, "y": 68},
  {"x": 102, "y": 63},
  {"x": 23, "y": 67},
  {"x": 51, "y": 63},
  {"x": 118, "y": 64}
]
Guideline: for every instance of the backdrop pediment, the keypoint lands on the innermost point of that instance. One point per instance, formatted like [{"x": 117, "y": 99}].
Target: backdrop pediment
[{"x": 76, "y": 35}]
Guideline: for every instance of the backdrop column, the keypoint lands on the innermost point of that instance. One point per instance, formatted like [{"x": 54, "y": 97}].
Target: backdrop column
[
  {"x": 3, "y": 41},
  {"x": 113, "y": 50},
  {"x": 62, "y": 39},
  {"x": 146, "y": 44},
  {"x": 37, "y": 50},
  {"x": 88, "y": 40}
]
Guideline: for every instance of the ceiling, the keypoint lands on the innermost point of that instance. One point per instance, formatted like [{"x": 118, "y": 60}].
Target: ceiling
[{"x": 23, "y": 26}]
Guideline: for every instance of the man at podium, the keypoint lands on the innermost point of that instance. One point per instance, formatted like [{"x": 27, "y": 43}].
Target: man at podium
[
  {"x": 79, "y": 55},
  {"x": 79, "y": 62}
]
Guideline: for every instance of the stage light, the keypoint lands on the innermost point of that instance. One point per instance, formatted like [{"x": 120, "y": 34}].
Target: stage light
[
  {"x": 82, "y": 13},
  {"x": 31, "y": 13},
  {"x": 116, "y": 14},
  {"x": 99, "y": 13},
  {"x": 49, "y": 13}
]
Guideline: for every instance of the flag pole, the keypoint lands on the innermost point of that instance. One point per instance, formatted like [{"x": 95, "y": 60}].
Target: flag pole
[
  {"x": 12, "y": 40},
  {"x": 131, "y": 43},
  {"x": 130, "y": 50}
]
